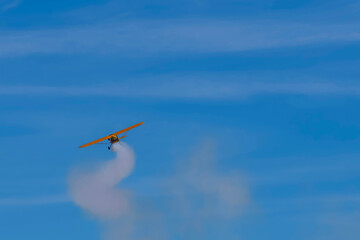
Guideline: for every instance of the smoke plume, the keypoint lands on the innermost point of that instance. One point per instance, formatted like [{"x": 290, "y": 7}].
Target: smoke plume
[
  {"x": 95, "y": 190},
  {"x": 199, "y": 201}
]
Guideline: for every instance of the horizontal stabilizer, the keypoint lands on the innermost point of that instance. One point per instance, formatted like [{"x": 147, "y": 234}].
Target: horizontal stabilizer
[{"x": 121, "y": 137}]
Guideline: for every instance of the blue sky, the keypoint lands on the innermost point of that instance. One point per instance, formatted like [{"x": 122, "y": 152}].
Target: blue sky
[{"x": 268, "y": 90}]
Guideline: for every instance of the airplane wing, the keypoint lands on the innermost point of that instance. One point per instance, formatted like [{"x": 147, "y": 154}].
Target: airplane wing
[
  {"x": 96, "y": 141},
  {"x": 127, "y": 129},
  {"x": 117, "y": 133}
]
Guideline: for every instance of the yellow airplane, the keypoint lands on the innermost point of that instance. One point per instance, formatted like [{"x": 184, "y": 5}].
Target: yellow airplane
[{"x": 113, "y": 138}]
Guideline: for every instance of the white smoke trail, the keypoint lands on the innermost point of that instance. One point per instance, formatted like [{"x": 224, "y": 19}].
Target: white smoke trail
[
  {"x": 193, "y": 200},
  {"x": 95, "y": 191}
]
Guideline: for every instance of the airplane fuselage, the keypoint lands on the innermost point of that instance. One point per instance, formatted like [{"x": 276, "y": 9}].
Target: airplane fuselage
[{"x": 113, "y": 139}]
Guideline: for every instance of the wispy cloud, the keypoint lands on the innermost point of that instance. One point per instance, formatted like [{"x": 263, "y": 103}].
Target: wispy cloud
[
  {"x": 339, "y": 225},
  {"x": 43, "y": 200},
  {"x": 173, "y": 36},
  {"x": 329, "y": 199},
  {"x": 9, "y": 4},
  {"x": 190, "y": 88},
  {"x": 305, "y": 175}
]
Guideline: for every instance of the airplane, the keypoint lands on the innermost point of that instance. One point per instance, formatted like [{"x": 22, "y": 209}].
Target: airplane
[{"x": 113, "y": 138}]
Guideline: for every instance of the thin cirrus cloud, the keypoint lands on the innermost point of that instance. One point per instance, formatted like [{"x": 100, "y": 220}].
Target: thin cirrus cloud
[
  {"x": 173, "y": 36},
  {"x": 9, "y": 4},
  {"x": 43, "y": 200},
  {"x": 192, "y": 90}
]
